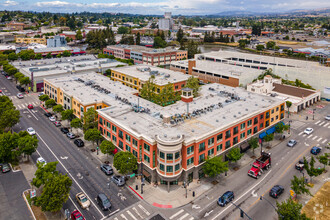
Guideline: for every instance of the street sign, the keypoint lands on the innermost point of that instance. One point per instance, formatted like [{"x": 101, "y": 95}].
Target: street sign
[
  {"x": 132, "y": 175},
  {"x": 292, "y": 194},
  {"x": 32, "y": 193}
]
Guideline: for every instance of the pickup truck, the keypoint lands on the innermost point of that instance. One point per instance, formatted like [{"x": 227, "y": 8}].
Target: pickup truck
[
  {"x": 300, "y": 165},
  {"x": 261, "y": 163}
]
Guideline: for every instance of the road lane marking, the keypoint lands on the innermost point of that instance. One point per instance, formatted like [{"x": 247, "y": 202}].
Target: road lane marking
[
  {"x": 324, "y": 141},
  {"x": 176, "y": 214},
  {"x": 74, "y": 204},
  {"x": 143, "y": 209},
  {"x": 131, "y": 215},
  {"x": 318, "y": 140},
  {"x": 322, "y": 123},
  {"x": 314, "y": 137},
  {"x": 317, "y": 122},
  {"x": 230, "y": 205},
  {"x": 33, "y": 115},
  {"x": 182, "y": 217},
  {"x": 70, "y": 174}
]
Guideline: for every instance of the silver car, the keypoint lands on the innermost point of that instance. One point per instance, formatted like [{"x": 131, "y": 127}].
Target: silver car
[
  {"x": 118, "y": 180},
  {"x": 71, "y": 135},
  {"x": 291, "y": 143},
  {"x": 327, "y": 117}
]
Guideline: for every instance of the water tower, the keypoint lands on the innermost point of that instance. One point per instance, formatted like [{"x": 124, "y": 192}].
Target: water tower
[{"x": 187, "y": 96}]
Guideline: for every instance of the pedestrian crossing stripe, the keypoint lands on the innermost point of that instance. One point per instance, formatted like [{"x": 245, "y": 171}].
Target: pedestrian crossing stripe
[
  {"x": 322, "y": 123},
  {"x": 131, "y": 215},
  {"x": 319, "y": 139},
  {"x": 182, "y": 217},
  {"x": 317, "y": 122},
  {"x": 310, "y": 136},
  {"x": 326, "y": 124},
  {"x": 136, "y": 211},
  {"x": 176, "y": 214},
  {"x": 314, "y": 137},
  {"x": 324, "y": 141},
  {"x": 300, "y": 133},
  {"x": 143, "y": 209},
  {"x": 123, "y": 216}
]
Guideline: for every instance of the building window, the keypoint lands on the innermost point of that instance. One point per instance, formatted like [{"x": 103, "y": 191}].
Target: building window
[
  {"x": 276, "y": 117},
  {"x": 255, "y": 129},
  {"x": 219, "y": 147},
  {"x": 146, "y": 147},
  {"x": 190, "y": 161},
  {"x": 219, "y": 137},
  {"x": 210, "y": 141},
  {"x": 267, "y": 115},
  {"x": 272, "y": 111},
  {"x": 135, "y": 153},
  {"x": 169, "y": 169},
  {"x": 146, "y": 158},
  {"x": 228, "y": 134},
  {"x": 235, "y": 140},
  {"x": 282, "y": 107},
  {"x": 243, "y": 135},
  {"x": 201, "y": 147},
  {"x": 100, "y": 121},
  {"x": 261, "y": 117},
  {"x": 108, "y": 125},
  {"x": 161, "y": 167},
  {"x": 121, "y": 145},
  {"x": 177, "y": 155},
  {"x": 249, "y": 132},
  {"x": 128, "y": 148},
  {"x": 190, "y": 150},
  {"x": 114, "y": 138},
  {"x": 177, "y": 167},
  {"x": 261, "y": 125},
  {"x": 277, "y": 109},
  {"x": 114, "y": 129},
  {"x": 282, "y": 115},
  {"x": 120, "y": 134},
  {"x": 161, "y": 155},
  {"x": 243, "y": 126},
  {"x": 249, "y": 123},
  {"x": 235, "y": 130},
  {"x": 108, "y": 134},
  {"x": 169, "y": 156},
  {"x": 135, "y": 142},
  {"x": 267, "y": 124},
  {"x": 255, "y": 121},
  {"x": 227, "y": 144},
  {"x": 272, "y": 119},
  {"x": 210, "y": 152},
  {"x": 201, "y": 158},
  {"x": 128, "y": 138}
]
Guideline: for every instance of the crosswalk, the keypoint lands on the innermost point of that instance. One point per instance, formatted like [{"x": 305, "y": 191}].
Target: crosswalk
[
  {"x": 24, "y": 106},
  {"x": 324, "y": 124},
  {"x": 181, "y": 215},
  {"x": 136, "y": 212},
  {"x": 314, "y": 137}
]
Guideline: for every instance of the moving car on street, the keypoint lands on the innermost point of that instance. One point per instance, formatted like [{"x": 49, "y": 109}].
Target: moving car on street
[
  {"x": 308, "y": 131},
  {"x": 276, "y": 191},
  {"x": 291, "y": 143},
  {"x": 107, "y": 169},
  {"x": 226, "y": 198},
  {"x": 30, "y": 106},
  {"x": 83, "y": 200},
  {"x": 20, "y": 95},
  {"x": 300, "y": 165},
  {"x": 316, "y": 150},
  {"x": 31, "y": 131},
  {"x": 327, "y": 117}
]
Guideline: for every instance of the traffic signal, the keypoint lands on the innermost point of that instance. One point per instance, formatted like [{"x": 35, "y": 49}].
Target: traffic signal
[{"x": 242, "y": 214}]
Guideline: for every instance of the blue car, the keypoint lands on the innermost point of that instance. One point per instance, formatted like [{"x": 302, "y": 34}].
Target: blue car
[
  {"x": 226, "y": 198},
  {"x": 316, "y": 150}
]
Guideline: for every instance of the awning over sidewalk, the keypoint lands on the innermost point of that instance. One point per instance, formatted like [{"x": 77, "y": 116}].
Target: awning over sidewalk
[
  {"x": 146, "y": 173},
  {"x": 269, "y": 131}
]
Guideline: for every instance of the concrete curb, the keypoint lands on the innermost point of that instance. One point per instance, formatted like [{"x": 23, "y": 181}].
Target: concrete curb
[{"x": 27, "y": 203}]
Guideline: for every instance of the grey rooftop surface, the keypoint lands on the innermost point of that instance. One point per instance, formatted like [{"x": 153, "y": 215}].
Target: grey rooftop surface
[
  {"x": 144, "y": 72},
  {"x": 144, "y": 49},
  {"x": 143, "y": 118}
]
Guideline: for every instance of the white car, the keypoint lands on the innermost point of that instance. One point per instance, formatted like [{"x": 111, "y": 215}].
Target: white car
[
  {"x": 41, "y": 160},
  {"x": 20, "y": 95},
  {"x": 308, "y": 130},
  {"x": 31, "y": 131},
  {"x": 52, "y": 118},
  {"x": 40, "y": 94},
  {"x": 327, "y": 117}
]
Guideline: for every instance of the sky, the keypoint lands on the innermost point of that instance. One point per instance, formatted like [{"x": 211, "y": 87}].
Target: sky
[{"x": 158, "y": 7}]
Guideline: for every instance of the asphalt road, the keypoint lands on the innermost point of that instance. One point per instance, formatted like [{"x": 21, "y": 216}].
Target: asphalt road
[{"x": 81, "y": 167}]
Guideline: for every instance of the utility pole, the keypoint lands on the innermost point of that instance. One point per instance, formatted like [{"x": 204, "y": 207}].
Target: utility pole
[
  {"x": 242, "y": 211},
  {"x": 261, "y": 198},
  {"x": 289, "y": 126}
]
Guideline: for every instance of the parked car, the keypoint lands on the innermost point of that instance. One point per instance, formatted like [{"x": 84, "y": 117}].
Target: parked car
[
  {"x": 291, "y": 143},
  {"x": 30, "y": 106},
  {"x": 107, "y": 169},
  {"x": 65, "y": 130},
  {"x": 103, "y": 201},
  {"x": 41, "y": 160},
  {"x": 57, "y": 123},
  {"x": 71, "y": 135},
  {"x": 48, "y": 114},
  {"x": 5, "y": 167},
  {"x": 20, "y": 88},
  {"x": 327, "y": 117},
  {"x": 300, "y": 165},
  {"x": 40, "y": 94},
  {"x": 9, "y": 77},
  {"x": 308, "y": 131},
  {"x": 20, "y": 95},
  {"x": 0, "y": 91},
  {"x": 83, "y": 200},
  {"x": 31, "y": 131},
  {"x": 276, "y": 191},
  {"x": 79, "y": 143},
  {"x": 118, "y": 180},
  {"x": 226, "y": 198},
  {"x": 316, "y": 150},
  {"x": 76, "y": 215},
  {"x": 52, "y": 118}
]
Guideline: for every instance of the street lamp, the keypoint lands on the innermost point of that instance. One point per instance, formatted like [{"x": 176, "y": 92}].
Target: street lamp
[
  {"x": 261, "y": 198},
  {"x": 185, "y": 184},
  {"x": 242, "y": 211},
  {"x": 289, "y": 126}
]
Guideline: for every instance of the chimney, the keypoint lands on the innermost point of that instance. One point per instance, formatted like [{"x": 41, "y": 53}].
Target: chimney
[{"x": 191, "y": 64}]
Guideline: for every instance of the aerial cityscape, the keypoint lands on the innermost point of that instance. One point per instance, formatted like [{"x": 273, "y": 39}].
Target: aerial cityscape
[{"x": 165, "y": 110}]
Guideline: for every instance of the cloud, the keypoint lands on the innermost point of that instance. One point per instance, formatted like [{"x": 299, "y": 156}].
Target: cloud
[{"x": 9, "y": 3}]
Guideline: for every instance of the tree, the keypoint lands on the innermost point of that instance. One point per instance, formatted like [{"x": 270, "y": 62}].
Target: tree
[
  {"x": 43, "y": 98},
  {"x": 299, "y": 186},
  {"x": 125, "y": 162},
  {"x": 90, "y": 119},
  {"x": 50, "y": 103},
  {"x": 26, "y": 54},
  {"x": 8, "y": 144},
  {"x": 179, "y": 35},
  {"x": 44, "y": 173},
  {"x": 148, "y": 89},
  {"x": 324, "y": 159},
  {"x": 58, "y": 108},
  {"x": 25, "y": 81},
  {"x": 67, "y": 114},
  {"x": 242, "y": 43},
  {"x": 214, "y": 166},
  {"x": 107, "y": 147},
  {"x": 66, "y": 53},
  {"x": 193, "y": 49},
  {"x": 232, "y": 39},
  {"x": 253, "y": 142},
  {"x": 269, "y": 138},
  {"x": 38, "y": 56},
  {"x": 9, "y": 116},
  {"x": 18, "y": 76},
  {"x": 123, "y": 30},
  {"x": 270, "y": 45},
  {"x": 280, "y": 127},
  {"x": 12, "y": 56},
  {"x": 234, "y": 154},
  {"x": 79, "y": 35},
  {"x": 260, "y": 47},
  {"x": 310, "y": 169},
  {"x": 11, "y": 71},
  {"x": 159, "y": 43},
  {"x": 193, "y": 83},
  {"x": 290, "y": 209},
  {"x": 93, "y": 135},
  {"x": 138, "y": 39},
  {"x": 49, "y": 55},
  {"x": 288, "y": 105},
  {"x": 27, "y": 144},
  {"x": 76, "y": 123}
]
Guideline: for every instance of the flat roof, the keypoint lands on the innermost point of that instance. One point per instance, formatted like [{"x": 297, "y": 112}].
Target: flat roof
[
  {"x": 138, "y": 48},
  {"x": 144, "y": 72},
  {"x": 123, "y": 107}
]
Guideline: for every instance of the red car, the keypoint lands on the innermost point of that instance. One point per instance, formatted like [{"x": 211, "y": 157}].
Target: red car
[
  {"x": 77, "y": 215},
  {"x": 30, "y": 106},
  {"x": 0, "y": 91}
]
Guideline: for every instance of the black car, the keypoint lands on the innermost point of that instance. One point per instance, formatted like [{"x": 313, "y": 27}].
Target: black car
[
  {"x": 48, "y": 114},
  {"x": 276, "y": 191},
  {"x": 226, "y": 198},
  {"x": 300, "y": 165},
  {"x": 79, "y": 143},
  {"x": 20, "y": 88},
  {"x": 103, "y": 201},
  {"x": 65, "y": 130},
  {"x": 107, "y": 169},
  {"x": 5, "y": 167}
]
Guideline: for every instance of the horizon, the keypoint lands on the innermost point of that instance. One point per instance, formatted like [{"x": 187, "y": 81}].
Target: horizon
[{"x": 158, "y": 7}]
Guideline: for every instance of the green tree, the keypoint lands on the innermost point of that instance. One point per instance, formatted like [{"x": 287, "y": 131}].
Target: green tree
[
  {"x": 76, "y": 123},
  {"x": 9, "y": 116},
  {"x": 125, "y": 162},
  {"x": 242, "y": 43},
  {"x": 49, "y": 55},
  {"x": 232, "y": 39},
  {"x": 234, "y": 154},
  {"x": 269, "y": 138},
  {"x": 66, "y": 53},
  {"x": 43, "y": 98},
  {"x": 27, "y": 144},
  {"x": 179, "y": 35},
  {"x": 159, "y": 43},
  {"x": 280, "y": 128},
  {"x": 166, "y": 94},
  {"x": 192, "y": 49},
  {"x": 58, "y": 108},
  {"x": 67, "y": 114},
  {"x": 260, "y": 47},
  {"x": 138, "y": 39},
  {"x": 214, "y": 166},
  {"x": 12, "y": 56},
  {"x": 93, "y": 135},
  {"x": 324, "y": 159},
  {"x": 26, "y": 54},
  {"x": 288, "y": 105},
  {"x": 253, "y": 142},
  {"x": 123, "y": 30},
  {"x": 270, "y": 45},
  {"x": 310, "y": 169},
  {"x": 50, "y": 103},
  {"x": 299, "y": 186},
  {"x": 38, "y": 56},
  {"x": 44, "y": 173},
  {"x": 25, "y": 81},
  {"x": 108, "y": 73},
  {"x": 90, "y": 119},
  {"x": 107, "y": 147},
  {"x": 12, "y": 71},
  {"x": 18, "y": 76},
  {"x": 289, "y": 210},
  {"x": 79, "y": 35},
  {"x": 193, "y": 83},
  {"x": 148, "y": 89},
  {"x": 8, "y": 144}
]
